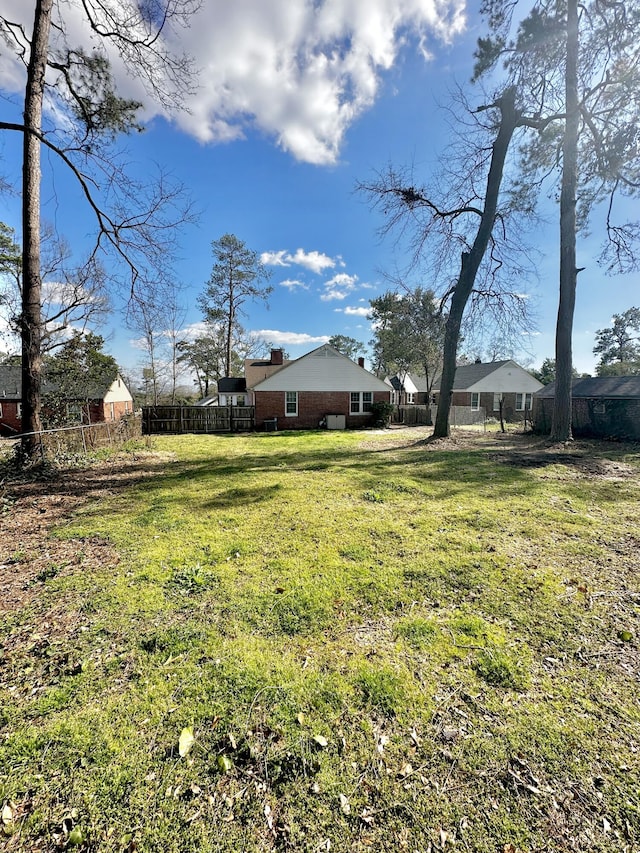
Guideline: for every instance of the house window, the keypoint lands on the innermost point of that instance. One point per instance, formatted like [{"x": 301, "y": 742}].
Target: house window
[
  {"x": 291, "y": 404},
  {"x": 127, "y": 409},
  {"x": 361, "y": 402},
  {"x": 411, "y": 398},
  {"x": 19, "y": 410},
  {"x": 496, "y": 402},
  {"x": 475, "y": 402},
  {"x": 599, "y": 408},
  {"x": 0, "y": 410},
  {"x": 74, "y": 412},
  {"x": 523, "y": 401}
]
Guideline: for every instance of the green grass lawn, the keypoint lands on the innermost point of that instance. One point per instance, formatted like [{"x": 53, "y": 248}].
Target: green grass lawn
[{"x": 326, "y": 641}]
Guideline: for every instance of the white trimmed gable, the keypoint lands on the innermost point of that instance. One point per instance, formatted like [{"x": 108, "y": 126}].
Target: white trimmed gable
[
  {"x": 323, "y": 369},
  {"x": 118, "y": 392}
]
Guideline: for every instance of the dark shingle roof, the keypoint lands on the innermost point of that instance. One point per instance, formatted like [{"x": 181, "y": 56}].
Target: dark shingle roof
[
  {"x": 419, "y": 381},
  {"x": 469, "y": 374},
  {"x": 11, "y": 386},
  {"x": 231, "y": 385},
  {"x": 622, "y": 387}
]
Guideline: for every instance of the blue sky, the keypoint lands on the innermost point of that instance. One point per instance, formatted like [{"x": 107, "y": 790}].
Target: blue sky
[{"x": 293, "y": 108}]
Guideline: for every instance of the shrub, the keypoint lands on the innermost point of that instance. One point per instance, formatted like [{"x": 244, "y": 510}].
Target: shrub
[{"x": 381, "y": 413}]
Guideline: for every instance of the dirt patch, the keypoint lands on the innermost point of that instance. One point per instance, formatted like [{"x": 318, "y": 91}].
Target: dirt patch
[
  {"x": 582, "y": 458},
  {"x": 30, "y": 508}
]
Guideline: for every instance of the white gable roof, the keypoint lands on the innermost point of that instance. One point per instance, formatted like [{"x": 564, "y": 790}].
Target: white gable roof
[{"x": 323, "y": 369}]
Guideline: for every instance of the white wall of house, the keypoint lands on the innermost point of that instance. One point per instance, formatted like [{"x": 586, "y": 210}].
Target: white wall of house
[
  {"x": 237, "y": 399},
  {"x": 118, "y": 392},
  {"x": 324, "y": 369}
]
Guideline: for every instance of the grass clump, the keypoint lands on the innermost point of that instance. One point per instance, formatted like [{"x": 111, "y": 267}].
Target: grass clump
[{"x": 500, "y": 669}]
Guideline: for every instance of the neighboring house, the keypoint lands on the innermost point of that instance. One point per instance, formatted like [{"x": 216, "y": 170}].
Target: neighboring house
[
  {"x": 409, "y": 389},
  {"x": 321, "y": 388},
  {"x": 10, "y": 400},
  {"x": 108, "y": 402},
  {"x": 484, "y": 386},
  {"x": 603, "y": 407},
  {"x": 232, "y": 392}
]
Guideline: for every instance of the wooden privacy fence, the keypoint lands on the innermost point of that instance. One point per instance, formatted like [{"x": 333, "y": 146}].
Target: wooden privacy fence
[{"x": 173, "y": 420}]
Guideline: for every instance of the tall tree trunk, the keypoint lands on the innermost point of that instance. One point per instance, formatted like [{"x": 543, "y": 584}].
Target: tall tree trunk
[
  {"x": 561, "y": 423},
  {"x": 31, "y": 318},
  {"x": 509, "y": 120},
  {"x": 228, "y": 345}
]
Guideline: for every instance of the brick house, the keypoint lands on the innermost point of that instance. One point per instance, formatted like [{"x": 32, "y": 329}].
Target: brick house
[
  {"x": 601, "y": 407},
  {"x": 109, "y": 402},
  {"x": 10, "y": 400},
  {"x": 484, "y": 386},
  {"x": 323, "y": 388}
]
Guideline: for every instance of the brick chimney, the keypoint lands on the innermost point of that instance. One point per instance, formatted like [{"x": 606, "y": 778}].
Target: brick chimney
[
  {"x": 360, "y": 361},
  {"x": 276, "y": 356}
]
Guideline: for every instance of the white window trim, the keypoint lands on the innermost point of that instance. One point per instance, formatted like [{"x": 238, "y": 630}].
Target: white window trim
[
  {"x": 496, "y": 402},
  {"x": 361, "y": 403},
  {"x": 476, "y": 407},
  {"x": 287, "y": 401},
  {"x": 522, "y": 406}
]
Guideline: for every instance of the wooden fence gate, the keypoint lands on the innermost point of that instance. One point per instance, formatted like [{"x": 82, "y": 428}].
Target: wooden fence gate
[{"x": 173, "y": 420}]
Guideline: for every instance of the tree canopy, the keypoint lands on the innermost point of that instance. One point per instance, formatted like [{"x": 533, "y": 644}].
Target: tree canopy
[
  {"x": 348, "y": 346},
  {"x": 618, "y": 345},
  {"x": 408, "y": 333},
  {"x": 576, "y": 67},
  {"x": 85, "y": 116},
  {"x": 78, "y": 371},
  {"x": 238, "y": 276}
]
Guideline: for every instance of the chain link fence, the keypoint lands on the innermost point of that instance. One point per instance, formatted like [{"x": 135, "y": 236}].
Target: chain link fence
[{"x": 82, "y": 438}]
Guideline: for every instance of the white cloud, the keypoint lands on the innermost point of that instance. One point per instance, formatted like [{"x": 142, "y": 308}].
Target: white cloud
[
  {"x": 194, "y": 330},
  {"x": 301, "y": 72},
  {"x": 357, "y": 312},
  {"x": 314, "y": 261},
  {"x": 293, "y": 283},
  {"x": 342, "y": 279},
  {"x": 339, "y": 287},
  {"x": 291, "y": 338},
  {"x": 332, "y": 294},
  {"x": 276, "y": 259}
]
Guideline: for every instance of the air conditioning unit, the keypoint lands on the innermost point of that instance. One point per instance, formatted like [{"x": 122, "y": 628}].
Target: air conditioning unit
[{"x": 336, "y": 421}]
